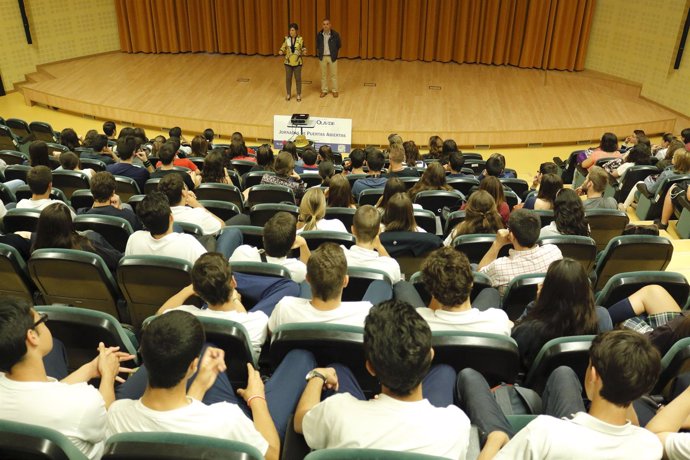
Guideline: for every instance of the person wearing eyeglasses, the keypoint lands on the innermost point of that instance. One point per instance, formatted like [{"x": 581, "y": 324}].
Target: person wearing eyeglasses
[{"x": 29, "y": 391}]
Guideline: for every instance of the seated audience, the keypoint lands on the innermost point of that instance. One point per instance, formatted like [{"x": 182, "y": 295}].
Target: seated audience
[
  {"x": 285, "y": 175},
  {"x": 327, "y": 277},
  {"x": 355, "y": 162},
  {"x": 127, "y": 151},
  {"x": 449, "y": 146},
  {"x": 634, "y": 139},
  {"x": 101, "y": 151},
  {"x": 214, "y": 170},
  {"x": 548, "y": 188},
  {"x": 433, "y": 178},
  {"x": 593, "y": 187},
  {"x": 608, "y": 148},
  {"x": 339, "y": 193},
  {"x": 238, "y": 151},
  {"x": 309, "y": 161},
  {"x": 564, "y": 306},
  {"x": 264, "y": 159},
  {"x": 392, "y": 187},
  {"x": 326, "y": 171},
  {"x": 404, "y": 418},
  {"x": 170, "y": 348},
  {"x": 623, "y": 366},
  {"x": 39, "y": 154},
  {"x": 312, "y": 210},
  {"x": 159, "y": 239},
  {"x": 69, "y": 161},
  {"x": 667, "y": 159},
  {"x": 375, "y": 162},
  {"x": 680, "y": 164},
  {"x": 40, "y": 180},
  {"x": 167, "y": 154},
  {"x": 435, "y": 148},
  {"x": 368, "y": 252},
  {"x": 186, "y": 208},
  {"x": 107, "y": 203},
  {"x": 110, "y": 130},
  {"x": 638, "y": 155},
  {"x": 399, "y": 215},
  {"x": 525, "y": 257},
  {"x": 279, "y": 239},
  {"x": 495, "y": 166},
  {"x": 397, "y": 168},
  {"x": 412, "y": 155},
  {"x": 28, "y": 353},
  {"x": 568, "y": 216},
  {"x": 481, "y": 216},
  {"x": 447, "y": 276},
  {"x": 70, "y": 139},
  {"x": 548, "y": 167},
  {"x": 200, "y": 146},
  {"x": 494, "y": 187},
  {"x": 455, "y": 162},
  {"x": 326, "y": 154},
  {"x": 179, "y": 160}
]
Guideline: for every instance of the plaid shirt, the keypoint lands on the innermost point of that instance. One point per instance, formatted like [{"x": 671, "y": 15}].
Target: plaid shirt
[{"x": 535, "y": 260}]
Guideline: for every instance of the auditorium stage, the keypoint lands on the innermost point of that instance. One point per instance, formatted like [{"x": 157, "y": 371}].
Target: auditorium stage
[{"x": 477, "y": 105}]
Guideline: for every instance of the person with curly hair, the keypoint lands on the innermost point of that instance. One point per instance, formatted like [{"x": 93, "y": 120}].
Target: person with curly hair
[{"x": 569, "y": 216}]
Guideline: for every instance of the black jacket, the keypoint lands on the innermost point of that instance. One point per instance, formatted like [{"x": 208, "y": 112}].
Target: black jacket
[{"x": 333, "y": 44}]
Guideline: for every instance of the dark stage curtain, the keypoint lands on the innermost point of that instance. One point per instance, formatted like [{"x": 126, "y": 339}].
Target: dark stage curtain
[{"x": 543, "y": 34}]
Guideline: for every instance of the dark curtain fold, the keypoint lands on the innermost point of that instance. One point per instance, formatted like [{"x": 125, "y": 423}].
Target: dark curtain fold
[{"x": 543, "y": 34}]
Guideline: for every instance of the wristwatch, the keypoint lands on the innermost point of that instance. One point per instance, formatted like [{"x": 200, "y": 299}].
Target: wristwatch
[{"x": 314, "y": 373}]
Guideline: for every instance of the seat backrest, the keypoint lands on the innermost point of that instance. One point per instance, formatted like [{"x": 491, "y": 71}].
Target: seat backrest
[
  {"x": 494, "y": 356},
  {"x": 72, "y": 277},
  {"x": 471, "y": 156},
  {"x": 344, "y": 215},
  {"x": 242, "y": 166},
  {"x": 92, "y": 163},
  {"x": 43, "y": 131},
  {"x": 261, "y": 269},
  {"x": 369, "y": 196},
  {"x": 352, "y": 178},
  {"x": 366, "y": 454},
  {"x": 19, "y": 127},
  {"x": 220, "y": 192},
  {"x": 546, "y": 216},
  {"x": 570, "y": 351},
  {"x": 221, "y": 209},
  {"x": 633, "y": 253},
  {"x": 477, "y": 166},
  {"x": 80, "y": 330},
  {"x": 520, "y": 291},
  {"x": 70, "y": 181},
  {"x": 175, "y": 446},
  {"x": 311, "y": 179},
  {"x": 24, "y": 192},
  {"x": 269, "y": 193},
  {"x": 147, "y": 282},
  {"x": 6, "y": 195},
  {"x": 252, "y": 178},
  {"x": 676, "y": 361},
  {"x": 581, "y": 248},
  {"x": 81, "y": 199},
  {"x": 259, "y": 214},
  {"x": 316, "y": 238},
  {"x": 511, "y": 198},
  {"x": 330, "y": 343},
  {"x": 605, "y": 224},
  {"x": 632, "y": 176},
  {"x": 360, "y": 279},
  {"x": 8, "y": 141},
  {"x": 415, "y": 244},
  {"x": 125, "y": 187},
  {"x": 13, "y": 157},
  {"x": 21, "y": 220},
  {"x": 475, "y": 246},
  {"x": 115, "y": 230},
  {"x": 519, "y": 186},
  {"x": 426, "y": 219},
  {"x": 234, "y": 339},
  {"x": 251, "y": 235},
  {"x": 33, "y": 442},
  {"x": 17, "y": 171},
  {"x": 463, "y": 184},
  {"x": 436, "y": 200},
  {"x": 151, "y": 185},
  {"x": 14, "y": 278},
  {"x": 623, "y": 285},
  {"x": 452, "y": 221}
]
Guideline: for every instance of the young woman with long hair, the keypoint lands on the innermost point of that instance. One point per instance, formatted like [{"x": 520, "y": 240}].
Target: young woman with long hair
[
  {"x": 312, "y": 210},
  {"x": 339, "y": 193},
  {"x": 481, "y": 216},
  {"x": 568, "y": 216},
  {"x": 434, "y": 178},
  {"x": 399, "y": 215},
  {"x": 214, "y": 170},
  {"x": 494, "y": 187}
]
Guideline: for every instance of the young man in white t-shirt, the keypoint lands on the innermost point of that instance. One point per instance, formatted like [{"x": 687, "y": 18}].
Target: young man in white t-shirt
[
  {"x": 40, "y": 181},
  {"x": 327, "y": 277},
  {"x": 159, "y": 239},
  {"x": 623, "y": 366},
  {"x": 213, "y": 281},
  {"x": 280, "y": 236},
  {"x": 397, "y": 344},
  {"x": 368, "y": 252},
  {"x": 170, "y": 347},
  {"x": 29, "y": 395},
  {"x": 447, "y": 276},
  {"x": 186, "y": 208}
]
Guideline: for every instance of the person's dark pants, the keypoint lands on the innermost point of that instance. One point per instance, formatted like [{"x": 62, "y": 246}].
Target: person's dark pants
[
  {"x": 487, "y": 297},
  {"x": 228, "y": 240},
  {"x": 283, "y": 389},
  {"x": 264, "y": 292},
  {"x": 562, "y": 397},
  {"x": 297, "y": 72},
  {"x": 437, "y": 386},
  {"x": 377, "y": 292}
]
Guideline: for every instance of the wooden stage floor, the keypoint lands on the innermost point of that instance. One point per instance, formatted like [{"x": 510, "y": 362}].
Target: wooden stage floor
[{"x": 474, "y": 104}]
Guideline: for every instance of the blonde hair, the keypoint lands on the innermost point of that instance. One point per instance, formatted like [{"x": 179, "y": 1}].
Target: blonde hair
[
  {"x": 312, "y": 208},
  {"x": 681, "y": 161}
]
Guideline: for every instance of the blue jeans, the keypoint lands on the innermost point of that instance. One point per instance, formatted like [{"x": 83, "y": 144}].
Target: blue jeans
[
  {"x": 228, "y": 240},
  {"x": 264, "y": 292},
  {"x": 282, "y": 390}
]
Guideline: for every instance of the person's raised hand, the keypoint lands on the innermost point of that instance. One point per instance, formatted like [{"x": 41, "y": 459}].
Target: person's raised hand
[{"x": 212, "y": 363}]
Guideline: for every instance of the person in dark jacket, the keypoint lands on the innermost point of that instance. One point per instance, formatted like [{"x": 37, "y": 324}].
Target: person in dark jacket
[{"x": 327, "y": 47}]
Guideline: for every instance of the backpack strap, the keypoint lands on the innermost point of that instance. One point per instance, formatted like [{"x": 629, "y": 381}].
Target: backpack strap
[{"x": 262, "y": 254}]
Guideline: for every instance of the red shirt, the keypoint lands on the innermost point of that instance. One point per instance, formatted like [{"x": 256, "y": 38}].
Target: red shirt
[{"x": 185, "y": 162}]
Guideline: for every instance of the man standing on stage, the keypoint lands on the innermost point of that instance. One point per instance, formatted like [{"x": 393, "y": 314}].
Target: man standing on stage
[{"x": 327, "y": 47}]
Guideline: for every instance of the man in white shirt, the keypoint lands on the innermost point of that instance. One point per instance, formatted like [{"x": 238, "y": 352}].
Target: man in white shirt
[
  {"x": 28, "y": 395},
  {"x": 280, "y": 237},
  {"x": 447, "y": 276},
  {"x": 623, "y": 366},
  {"x": 397, "y": 344},
  {"x": 526, "y": 257},
  {"x": 160, "y": 239},
  {"x": 40, "y": 180},
  {"x": 327, "y": 277},
  {"x": 213, "y": 281},
  {"x": 186, "y": 208},
  {"x": 368, "y": 252},
  {"x": 170, "y": 347}
]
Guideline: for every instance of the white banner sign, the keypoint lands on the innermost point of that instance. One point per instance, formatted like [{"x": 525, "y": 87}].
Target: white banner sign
[{"x": 336, "y": 132}]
